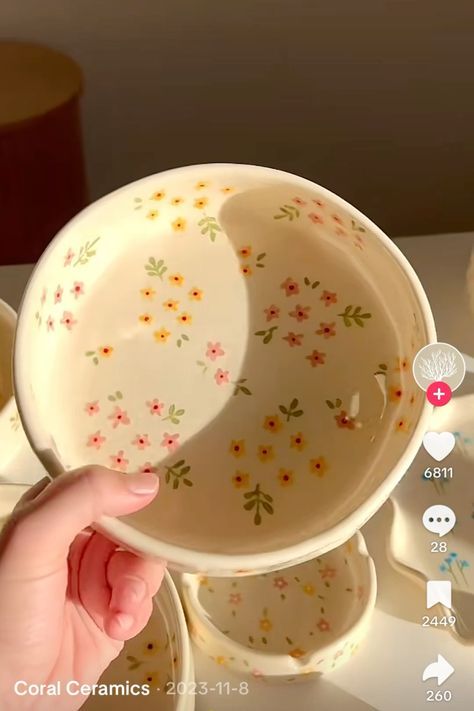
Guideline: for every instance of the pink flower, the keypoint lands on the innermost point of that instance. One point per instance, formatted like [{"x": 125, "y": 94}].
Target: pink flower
[
  {"x": 294, "y": 339},
  {"x": 50, "y": 324},
  {"x": 77, "y": 289},
  {"x": 272, "y": 312},
  {"x": 326, "y": 330},
  {"x": 58, "y": 294},
  {"x": 323, "y": 625},
  {"x": 290, "y": 286},
  {"x": 280, "y": 583},
  {"x": 118, "y": 461},
  {"x": 95, "y": 440},
  {"x": 317, "y": 219},
  {"x": 44, "y": 293},
  {"x": 340, "y": 232},
  {"x": 92, "y": 408},
  {"x": 316, "y": 358},
  {"x": 68, "y": 257},
  {"x": 318, "y": 202},
  {"x": 298, "y": 201},
  {"x": 118, "y": 417},
  {"x": 68, "y": 320},
  {"x": 257, "y": 674},
  {"x": 221, "y": 376},
  {"x": 170, "y": 441},
  {"x": 329, "y": 297},
  {"x": 235, "y": 598},
  {"x": 301, "y": 313},
  {"x": 327, "y": 572},
  {"x": 337, "y": 219},
  {"x": 156, "y": 407},
  {"x": 214, "y": 350},
  {"x": 147, "y": 468},
  {"x": 142, "y": 441}
]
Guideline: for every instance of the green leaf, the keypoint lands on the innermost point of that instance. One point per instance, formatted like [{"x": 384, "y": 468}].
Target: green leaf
[
  {"x": 382, "y": 366},
  {"x": 257, "y": 519},
  {"x": 261, "y": 256},
  {"x": 90, "y": 353},
  {"x": 338, "y": 402},
  {"x": 174, "y": 420},
  {"x": 315, "y": 284},
  {"x": 185, "y": 470},
  {"x": 175, "y": 483},
  {"x": 250, "y": 504},
  {"x": 329, "y": 404},
  {"x": 268, "y": 497},
  {"x": 95, "y": 361},
  {"x": 356, "y": 310},
  {"x": 179, "y": 413},
  {"x": 294, "y": 403},
  {"x": 249, "y": 494},
  {"x": 178, "y": 343},
  {"x": 118, "y": 395},
  {"x": 184, "y": 337},
  {"x": 111, "y": 398},
  {"x": 168, "y": 477},
  {"x": 260, "y": 265},
  {"x": 307, "y": 281},
  {"x": 298, "y": 413},
  {"x": 259, "y": 333},
  {"x": 187, "y": 482},
  {"x": 268, "y": 508},
  {"x": 179, "y": 464},
  {"x": 246, "y": 391},
  {"x": 283, "y": 409}
]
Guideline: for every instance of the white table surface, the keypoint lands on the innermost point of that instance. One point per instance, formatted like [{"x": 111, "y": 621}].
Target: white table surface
[{"x": 386, "y": 673}]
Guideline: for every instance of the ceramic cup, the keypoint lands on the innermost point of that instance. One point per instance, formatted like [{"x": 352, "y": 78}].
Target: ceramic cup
[
  {"x": 11, "y": 434},
  {"x": 296, "y": 623},
  {"x": 243, "y": 332}
]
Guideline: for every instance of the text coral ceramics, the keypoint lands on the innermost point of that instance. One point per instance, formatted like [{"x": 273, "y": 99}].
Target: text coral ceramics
[
  {"x": 243, "y": 332},
  {"x": 303, "y": 620}
]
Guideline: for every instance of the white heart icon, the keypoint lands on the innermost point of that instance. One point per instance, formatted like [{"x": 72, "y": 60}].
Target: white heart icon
[{"x": 439, "y": 444}]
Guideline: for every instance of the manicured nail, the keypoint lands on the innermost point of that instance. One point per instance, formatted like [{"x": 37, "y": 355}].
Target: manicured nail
[
  {"x": 124, "y": 621},
  {"x": 129, "y": 591},
  {"x": 142, "y": 483}
]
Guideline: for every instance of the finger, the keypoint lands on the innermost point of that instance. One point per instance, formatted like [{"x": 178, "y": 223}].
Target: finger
[
  {"x": 133, "y": 581},
  {"x": 72, "y": 502},
  {"x": 93, "y": 588},
  {"x": 31, "y": 493}
]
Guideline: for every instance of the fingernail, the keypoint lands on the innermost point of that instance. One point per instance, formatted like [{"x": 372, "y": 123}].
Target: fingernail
[
  {"x": 129, "y": 591},
  {"x": 124, "y": 621},
  {"x": 142, "y": 483}
]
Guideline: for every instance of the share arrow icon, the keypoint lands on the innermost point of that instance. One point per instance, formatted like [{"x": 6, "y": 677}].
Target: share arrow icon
[{"x": 440, "y": 670}]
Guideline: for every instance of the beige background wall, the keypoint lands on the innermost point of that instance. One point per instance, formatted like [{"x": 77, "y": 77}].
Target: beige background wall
[{"x": 371, "y": 98}]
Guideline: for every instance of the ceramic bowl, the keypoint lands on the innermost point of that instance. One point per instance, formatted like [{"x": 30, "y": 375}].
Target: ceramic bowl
[
  {"x": 410, "y": 543},
  {"x": 304, "y": 620},
  {"x": 159, "y": 657},
  {"x": 245, "y": 333},
  {"x": 11, "y": 433}
]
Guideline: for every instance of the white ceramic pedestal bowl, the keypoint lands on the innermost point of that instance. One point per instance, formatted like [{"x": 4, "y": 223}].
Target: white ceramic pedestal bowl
[
  {"x": 11, "y": 433},
  {"x": 247, "y": 334},
  {"x": 296, "y": 623}
]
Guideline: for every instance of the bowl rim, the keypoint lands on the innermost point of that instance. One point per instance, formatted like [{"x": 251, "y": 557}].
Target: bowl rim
[
  {"x": 186, "y": 558},
  {"x": 282, "y": 664}
]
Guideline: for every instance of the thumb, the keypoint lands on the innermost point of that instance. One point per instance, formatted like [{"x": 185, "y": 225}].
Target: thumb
[{"x": 45, "y": 528}]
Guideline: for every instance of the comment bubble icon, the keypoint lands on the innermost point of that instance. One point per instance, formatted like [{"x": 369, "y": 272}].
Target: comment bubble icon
[{"x": 439, "y": 519}]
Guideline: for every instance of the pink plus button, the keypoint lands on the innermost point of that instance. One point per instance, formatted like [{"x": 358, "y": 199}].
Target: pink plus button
[{"x": 439, "y": 393}]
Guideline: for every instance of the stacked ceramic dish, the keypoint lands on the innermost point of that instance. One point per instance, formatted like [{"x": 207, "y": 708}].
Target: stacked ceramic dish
[{"x": 247, "y": 335}]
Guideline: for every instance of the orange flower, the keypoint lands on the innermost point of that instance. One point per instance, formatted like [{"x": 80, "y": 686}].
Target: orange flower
[
  {"x": 145, "y": 318},
  {"x": 105, "y": 351},
  {"x": 395, "y": 393},
  {"x": 402, "y": 364},
  {"x": 176, "y": 279},
  {"x": 265, "y": 453},
  {"x": 318, "y": 466},
  {"x": 329, "y": 297},
  {"x": 285, "y": 477},
  {"x": 316, "y": 358},
  {"x": 195, "y": 294},
  {"x": 323, "y": 625},
  {"x": 326, "y": 330},
  {"x": 297, "y": 441},
  {"x": 162, "y": 335},
  {"x": 237, "y": 447},
  {"x": 179, "y": 225},
  {"x": 153, "y": 214},
  {"x": 177, "y": 200},
  {"x": 200, "y": 203},
  {"x": 245, "y": 251},
  {"x": 147, "y": 293},
  {"x": 272, "y": 423},
  {"x": 343, "y": 420},
  {"x": 159, "y": 195},
  {"x": 402, "y": 425},
  {"x": 297, "y": 653},
  {"x": 246, "y": 270},
  {"x": 185, "y": 319},
  {"x": 201, "y": 185},
  {"x": 227, "y": 189},
  {"x": 171, "y": 305},
  {"x": 241, "y": 480},
  {"x": 265, "y": 624}
]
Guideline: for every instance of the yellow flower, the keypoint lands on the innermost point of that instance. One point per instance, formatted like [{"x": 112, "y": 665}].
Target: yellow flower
[
  {"x": 241, "y": 480},
  {"x": 105, "y": 351},
  {"x": 246, "y": 270},
  {"x": 237, "y": 447},
  {"x": 195, "y": 294},
  {"x": 318, "y": 466},
  {"x": 179, "y": 225},
  {"x": 297, "y": 441},
  {"x": 185, "y": 319},
  {"x": 176, "y": 279},
  {"x": 200, "y": 203},
  {"x": 272, "y": 423},
  {"x": 227, "y": 189},
  {"x": 265, "y": 624},
  {"x": 201, "y": 185},
  {"x": 151, "y": 678},
  {"x": 152, "y": 214},
  {"x": 177, "y": 200},
  {"x": 297, "y": 653},
  {"x": 171, "y": 305},
  {"x": 151, "y": 648},
  {"x": 265, "y": 453},
  {"x": 147, "y": 293},
  {"x": 145, "y": 318},
  {"x": 309, "y": 589},
  {"x": 159, "y": 195},
  {"x": 220, "y": 660},
  {"x": 245, "y": 251},
  {"x": 162, "y": 335},
  {"x": 285, "y": 477}
]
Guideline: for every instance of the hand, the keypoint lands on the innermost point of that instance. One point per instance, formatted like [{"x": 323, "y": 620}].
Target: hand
[{"x": 69, "y": 597}]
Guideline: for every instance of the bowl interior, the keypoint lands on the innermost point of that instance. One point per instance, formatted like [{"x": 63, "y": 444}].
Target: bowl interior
[
  {"x": 297, "y": 611},
  {"x": 239, "y": 330},
  {"x": 7, "y": 329}
]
